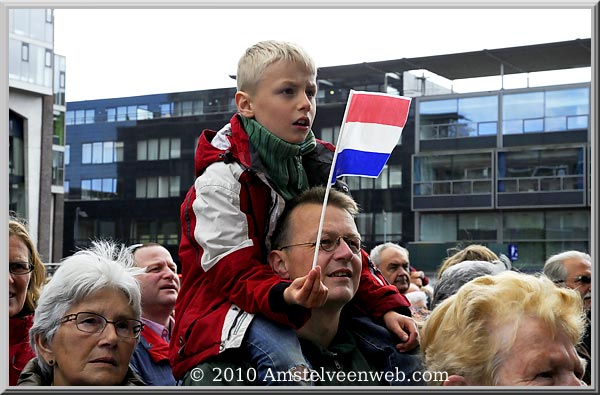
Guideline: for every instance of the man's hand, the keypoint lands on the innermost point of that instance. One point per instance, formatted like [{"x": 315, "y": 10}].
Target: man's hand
[
  {"x": 405, "y": 328},
  {"x": 307, "y": 291}
]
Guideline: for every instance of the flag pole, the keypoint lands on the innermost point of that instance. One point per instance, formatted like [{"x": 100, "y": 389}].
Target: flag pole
[{"x": 329, "y": 182}]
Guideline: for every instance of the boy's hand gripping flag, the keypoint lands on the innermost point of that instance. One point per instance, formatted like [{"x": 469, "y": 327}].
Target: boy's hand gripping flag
[{"x": 371, "y": 128}]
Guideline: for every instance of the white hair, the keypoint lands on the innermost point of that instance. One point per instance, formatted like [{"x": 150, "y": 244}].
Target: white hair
[{"x": 104, "y": 265}]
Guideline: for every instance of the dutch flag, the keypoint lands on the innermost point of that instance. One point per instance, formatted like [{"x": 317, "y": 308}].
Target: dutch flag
[{"x": 371, "y": 128}]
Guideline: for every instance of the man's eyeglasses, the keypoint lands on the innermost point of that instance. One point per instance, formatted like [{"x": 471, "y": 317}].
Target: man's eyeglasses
[
  {"x": 20, "y": 268},
  {"x": 583, "y": 279},
  {"x": 578, "y": 279},
  {"x": 329, "y": 244},
  {"x": 95, "y": 323}
]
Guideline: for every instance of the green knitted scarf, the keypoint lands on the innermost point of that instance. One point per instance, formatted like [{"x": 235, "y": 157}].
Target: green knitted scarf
[{"x": 282, "y": 160}]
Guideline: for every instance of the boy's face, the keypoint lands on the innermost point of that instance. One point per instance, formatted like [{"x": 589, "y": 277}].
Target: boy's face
[{"x": 284, "y": 101}]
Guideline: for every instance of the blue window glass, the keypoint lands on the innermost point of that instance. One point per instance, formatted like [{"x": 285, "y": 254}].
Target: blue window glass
[
  {"x": 86, "y": 185},
  {"x": 519, "y": 107},
  {"x": 111, "y": 114},
  {"x": 97, "y": 185},
  {"x": 166, "y": 109},
  {"x": 70, "y": 117},
  {"x": 121, "y": 113},
  {"x": 79, "y": 117},
  {"x": 89, "y": 116},
  {"x": 478, "y": 109},
  {"x": 97, "y": 152},
  {"x": 577, "y": 122},
  {"x": 533, "y": 125},
  {"x": 86, "y": 153},
  {"x": 449, "y": 106},
  {"x": 107, "y": 185},
  {"x": 567, "y": 102}
]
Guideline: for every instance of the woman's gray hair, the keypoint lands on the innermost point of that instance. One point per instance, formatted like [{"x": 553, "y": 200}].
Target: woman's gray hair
[
  {"x": 461, "y": 273},
  {"x": 88, "y": 271}
]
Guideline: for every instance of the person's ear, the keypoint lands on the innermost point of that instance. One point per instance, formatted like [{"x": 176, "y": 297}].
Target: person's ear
[
  {"x": 455, "y": 380},
  {"x": 44, "y": 349},
  {"x": 243, "y": 101},
  {"x": 277, "y": 260}
]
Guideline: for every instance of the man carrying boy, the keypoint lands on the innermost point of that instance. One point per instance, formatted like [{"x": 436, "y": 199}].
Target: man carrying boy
[{"x": 246, "y": 172}]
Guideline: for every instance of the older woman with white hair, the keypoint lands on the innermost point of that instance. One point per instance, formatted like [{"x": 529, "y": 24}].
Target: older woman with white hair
[
  {"x": 508, "y": 329},
  {"x": 87, "y": 322}
]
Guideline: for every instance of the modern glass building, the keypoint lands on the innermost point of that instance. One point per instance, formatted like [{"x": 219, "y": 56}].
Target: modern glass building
[
  {"x": 504, "y": 168},
  {"x": 490, "y": 167},
  {"x": 36, "y": 127}
]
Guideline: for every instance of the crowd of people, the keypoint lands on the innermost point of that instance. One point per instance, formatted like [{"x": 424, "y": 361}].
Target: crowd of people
[{"x": 251, "y": 299}]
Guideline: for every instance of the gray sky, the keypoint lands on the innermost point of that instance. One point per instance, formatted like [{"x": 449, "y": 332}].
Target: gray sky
[{"x": 118, "y": 52}]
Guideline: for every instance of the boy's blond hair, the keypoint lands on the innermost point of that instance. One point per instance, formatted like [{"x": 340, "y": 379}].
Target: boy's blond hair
[{"x": 262, "y": 54}]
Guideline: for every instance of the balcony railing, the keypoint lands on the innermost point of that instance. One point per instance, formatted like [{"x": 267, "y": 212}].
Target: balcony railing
[
  {"x": 454, "y": 130},
  {"x": 453, "y": 187},
  {"x": 540, "y": 184}
]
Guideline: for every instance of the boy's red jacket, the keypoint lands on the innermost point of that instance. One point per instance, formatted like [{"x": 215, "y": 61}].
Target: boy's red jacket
[{"x": 227, "y": 220}]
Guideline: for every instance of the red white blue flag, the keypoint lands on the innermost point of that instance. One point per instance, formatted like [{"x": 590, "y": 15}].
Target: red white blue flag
[{"x": 371, "y": 128}]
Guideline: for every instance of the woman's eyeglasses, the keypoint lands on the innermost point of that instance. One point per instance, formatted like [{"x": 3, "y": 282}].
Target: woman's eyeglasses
[
  {"x": 20, "y": 268},
  {"x": 95, "y": 323}
]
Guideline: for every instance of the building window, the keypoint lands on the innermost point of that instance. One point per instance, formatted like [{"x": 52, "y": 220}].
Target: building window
[
  {"x": 159, "y": 149},
  {"x": 70, "y": 118},
  {"x": 550, "y": 111},
  {"x": 97, "y": 152},
  {"x": 458, "y": 117},
  {"x": 166, "y": 109},
  {"x": 49, "y": 16},
  {"x": 67, "y": 154},
  {"x": 98, "y": 188},
  {"x": 90, "y": 116},
  {"x": 80, "y": 117},
  {"x": 364, "y": 223},
  {"x": 463, "y": 174},
  {"x": 395, "y": 177},
  {"x": 86, "y": 153},
  {"x": 388, "y": 226},
  {"x": 121, "y": 113},
  {"x": 58, "y": 167},
  {"x": 157, "y": 187},
  {"x": 154, "y": 231},
  {"x": 111, "y": 114},
  {"x": 540, "y": 170},
  {"x": 128, "y": 113},
  {"x": 465, "y": 227},
  {"x": 330, "y": 134},
  {"x": 102, "y": 152},
  {"x": 48, "y": 58},
  {"x": 25, "y": 52}
]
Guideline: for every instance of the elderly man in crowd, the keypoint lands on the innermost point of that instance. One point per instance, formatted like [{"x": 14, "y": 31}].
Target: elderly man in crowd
[
  {"x": 159, "y": 285},
  {"x": 393, "y": 262},
  {"x": 573, "y": 269},
  {"x": 510, "y": 329}
]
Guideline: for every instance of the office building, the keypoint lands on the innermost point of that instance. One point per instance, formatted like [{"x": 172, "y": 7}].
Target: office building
[
  {"x": 36, "y": 128},
  {"x": 509, "y": 168}
]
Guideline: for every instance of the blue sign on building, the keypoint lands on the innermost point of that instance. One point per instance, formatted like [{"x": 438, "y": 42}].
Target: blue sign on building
[{"x": 513, "y": 252}]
